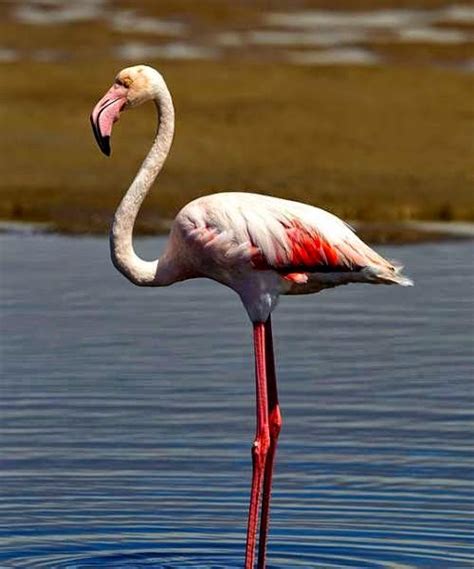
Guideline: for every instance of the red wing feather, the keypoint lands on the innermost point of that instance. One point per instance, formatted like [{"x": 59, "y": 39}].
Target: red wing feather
[
  {"x": 307, "y": 252},
  {"x": 308, "y": 249}
]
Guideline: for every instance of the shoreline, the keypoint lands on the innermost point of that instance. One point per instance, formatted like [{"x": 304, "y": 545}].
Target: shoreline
[{"x": 378, "y": 233}]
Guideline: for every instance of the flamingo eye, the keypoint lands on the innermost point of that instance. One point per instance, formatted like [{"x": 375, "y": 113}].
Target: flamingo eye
[{"x": 125, "y": 82}]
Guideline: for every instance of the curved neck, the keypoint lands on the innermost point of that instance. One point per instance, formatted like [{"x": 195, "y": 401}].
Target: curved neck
[{"x": 137, "y": 270}]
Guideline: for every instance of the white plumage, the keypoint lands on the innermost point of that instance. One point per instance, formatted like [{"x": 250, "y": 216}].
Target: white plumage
[
  {"x": 236, "y": 237},
  {"x": 258, "y": 245}
]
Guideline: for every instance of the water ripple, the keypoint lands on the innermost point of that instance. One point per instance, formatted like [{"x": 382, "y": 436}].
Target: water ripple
[{"x": 125, "y": 430}]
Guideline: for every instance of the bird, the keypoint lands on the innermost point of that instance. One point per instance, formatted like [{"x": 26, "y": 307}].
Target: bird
[{"x": 260, "y": 246}]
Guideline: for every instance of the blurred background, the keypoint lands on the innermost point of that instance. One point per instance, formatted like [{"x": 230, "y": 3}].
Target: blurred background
[{"x": 364, "y": 107}]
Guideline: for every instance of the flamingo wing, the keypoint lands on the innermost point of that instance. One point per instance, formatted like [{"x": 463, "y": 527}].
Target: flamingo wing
[
  {"x": 297, "y": 240},
  {"x": 268, "y": 233}
]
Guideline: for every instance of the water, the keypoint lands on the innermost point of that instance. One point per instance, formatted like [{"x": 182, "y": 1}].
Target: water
[
  {"x": 127, "y": 416},
  {"x": 338, "y": 35}
]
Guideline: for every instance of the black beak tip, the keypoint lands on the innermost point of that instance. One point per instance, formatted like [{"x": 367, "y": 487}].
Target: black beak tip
[
  {"x": 102, "y": 141},
  {"x": 105, "y": 145}
]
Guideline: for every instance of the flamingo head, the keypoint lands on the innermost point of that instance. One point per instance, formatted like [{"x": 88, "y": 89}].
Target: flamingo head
[{"x": 132, "y": 87}]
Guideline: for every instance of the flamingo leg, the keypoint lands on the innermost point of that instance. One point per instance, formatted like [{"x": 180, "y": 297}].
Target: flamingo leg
[
  {"x": 275, "y": 421},
  {"x": 261, "y": 443}
]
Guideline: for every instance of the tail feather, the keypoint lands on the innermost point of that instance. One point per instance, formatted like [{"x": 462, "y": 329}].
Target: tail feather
[{"x": 391, "y": 274}]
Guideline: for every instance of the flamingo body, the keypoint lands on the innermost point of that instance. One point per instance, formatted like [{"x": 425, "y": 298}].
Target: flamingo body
[
  {"x": 262, "y": 246},
  {"x": 258, "y": 245}
]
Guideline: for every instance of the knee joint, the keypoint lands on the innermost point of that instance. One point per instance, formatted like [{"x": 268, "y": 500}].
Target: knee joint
[{"x": 276, "y": 422}]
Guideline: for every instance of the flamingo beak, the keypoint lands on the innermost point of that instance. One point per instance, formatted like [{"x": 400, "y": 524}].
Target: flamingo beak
[{"x": 106, "y": 113}]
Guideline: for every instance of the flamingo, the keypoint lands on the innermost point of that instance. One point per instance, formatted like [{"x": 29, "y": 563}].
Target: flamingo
[{"x": 259, "y": 246}]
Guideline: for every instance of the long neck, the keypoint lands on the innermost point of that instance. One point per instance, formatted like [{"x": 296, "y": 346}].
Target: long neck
[{"x": 137, "y": 270}]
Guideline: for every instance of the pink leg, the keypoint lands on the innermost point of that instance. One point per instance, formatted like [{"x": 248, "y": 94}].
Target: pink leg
[
  {"x": 261, "y": 443},
  {"x": 274, "y": 418}
]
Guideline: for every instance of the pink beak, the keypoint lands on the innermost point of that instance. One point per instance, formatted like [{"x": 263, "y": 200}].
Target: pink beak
[{"x": 106, "y": 113}]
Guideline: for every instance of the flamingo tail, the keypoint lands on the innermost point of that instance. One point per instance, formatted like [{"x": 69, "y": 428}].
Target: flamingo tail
[{"x": 390, "y": 275}]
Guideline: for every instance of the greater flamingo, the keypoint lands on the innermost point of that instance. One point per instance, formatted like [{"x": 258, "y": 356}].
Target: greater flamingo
[{"x": 257, "y": 245}]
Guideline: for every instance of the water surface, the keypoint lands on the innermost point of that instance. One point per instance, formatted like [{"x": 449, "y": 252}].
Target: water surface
[
  {"x": 337, "y": 35},
  {"x": 127, "y": 416}
]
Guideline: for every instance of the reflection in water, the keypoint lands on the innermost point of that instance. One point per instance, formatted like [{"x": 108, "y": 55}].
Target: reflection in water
[{"x": 127, "y": 416}]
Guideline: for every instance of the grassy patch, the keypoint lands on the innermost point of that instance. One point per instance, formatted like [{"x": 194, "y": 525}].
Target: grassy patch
[
  {"x": 368, "y": 144},
  {"x": 424, "y": 53}
]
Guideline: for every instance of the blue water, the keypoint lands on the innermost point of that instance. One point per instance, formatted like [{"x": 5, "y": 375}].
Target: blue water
[{"x": 127, "y": 417}]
